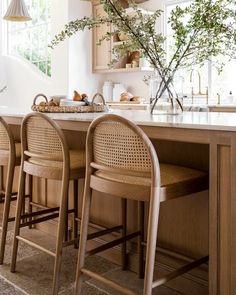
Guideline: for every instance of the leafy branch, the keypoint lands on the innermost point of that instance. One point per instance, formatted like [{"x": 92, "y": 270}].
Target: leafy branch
[{"x": 201, "y": 30}]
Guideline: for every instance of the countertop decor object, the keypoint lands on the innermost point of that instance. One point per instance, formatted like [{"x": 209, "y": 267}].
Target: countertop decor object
[
  {"x": 118, "y": 89},
  {"x": 72, "y": 103},
  {"x": 94, "y": 107},
  {"x": 196, "y": 38},
  {"x": 107, "y": 90},
  {"x": 17, "y": 11}
]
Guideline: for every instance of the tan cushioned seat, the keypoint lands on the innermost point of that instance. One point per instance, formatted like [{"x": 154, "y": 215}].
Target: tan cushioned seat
[
  {"x": 172, "y": 176},
  {"x": 77, "y": 160}
]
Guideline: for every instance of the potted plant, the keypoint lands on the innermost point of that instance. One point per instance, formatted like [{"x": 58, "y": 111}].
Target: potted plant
[{"x": 202, "y": 30}]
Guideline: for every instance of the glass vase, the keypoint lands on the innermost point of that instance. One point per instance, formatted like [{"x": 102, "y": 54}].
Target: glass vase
[{"x": 166, "y": 98}]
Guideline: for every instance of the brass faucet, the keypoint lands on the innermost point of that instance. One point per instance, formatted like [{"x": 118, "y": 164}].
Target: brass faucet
[{"x": 199, "y": 87}]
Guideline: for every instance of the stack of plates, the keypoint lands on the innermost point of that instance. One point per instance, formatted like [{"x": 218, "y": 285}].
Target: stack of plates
[{"x": 71, "y": 103}]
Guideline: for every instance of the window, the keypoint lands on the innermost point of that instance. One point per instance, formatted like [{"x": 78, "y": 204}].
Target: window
[
  {"x": 210, "y": 80},
  {"x": 30, "y": 40}
]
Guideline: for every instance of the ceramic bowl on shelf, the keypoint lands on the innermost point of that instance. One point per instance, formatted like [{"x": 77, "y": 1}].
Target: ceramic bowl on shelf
[{"x": 71, "y": 103}]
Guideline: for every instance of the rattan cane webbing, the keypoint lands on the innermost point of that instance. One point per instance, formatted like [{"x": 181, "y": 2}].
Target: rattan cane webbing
[
  {"x": 116, "y": 145},
  {"x": 4, "y": 138},
  {"x": 42, "y": 138}
]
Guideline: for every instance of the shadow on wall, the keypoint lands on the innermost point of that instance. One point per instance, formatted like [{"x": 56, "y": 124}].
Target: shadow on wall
[{"x": 23, "y": 82}]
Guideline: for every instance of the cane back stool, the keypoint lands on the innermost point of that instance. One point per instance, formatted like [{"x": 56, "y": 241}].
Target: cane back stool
[
  {"x": 45, "y": 154},
  {"x": 122, "y": 162},
  {"x": 10, "y": 156}
]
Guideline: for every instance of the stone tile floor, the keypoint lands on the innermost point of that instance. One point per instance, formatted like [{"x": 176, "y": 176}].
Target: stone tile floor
[{"x": 35, "y": 269}]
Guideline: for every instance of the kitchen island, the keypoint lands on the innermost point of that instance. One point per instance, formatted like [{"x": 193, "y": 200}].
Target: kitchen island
[{"x": 188, "y": 226}]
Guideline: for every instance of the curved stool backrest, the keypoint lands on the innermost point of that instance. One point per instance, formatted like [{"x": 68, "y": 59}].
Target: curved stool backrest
[
  {"x": 6, "y": 137},
  {"x": 43, "y": 139},
  {"x": 117, "y": 145}
]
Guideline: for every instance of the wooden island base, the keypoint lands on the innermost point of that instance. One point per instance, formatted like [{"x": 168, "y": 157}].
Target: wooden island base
[{"x": 190, "y": 227}]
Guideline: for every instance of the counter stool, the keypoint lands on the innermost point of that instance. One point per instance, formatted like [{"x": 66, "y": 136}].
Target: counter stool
[
  {"x": 45, "y": 154},
  {"x": 10, "y": 156},
  {"x": 122, "y": 162}
]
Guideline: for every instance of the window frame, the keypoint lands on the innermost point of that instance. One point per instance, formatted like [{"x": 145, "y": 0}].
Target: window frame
[
  {"x": 209, "y": 62},
  {"x": 6, "y": 49}
]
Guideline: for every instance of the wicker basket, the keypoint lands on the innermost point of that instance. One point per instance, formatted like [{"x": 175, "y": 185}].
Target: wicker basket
[{"x": 93, "y": 108}]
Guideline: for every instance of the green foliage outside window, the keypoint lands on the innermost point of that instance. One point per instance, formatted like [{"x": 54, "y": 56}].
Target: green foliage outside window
[{"x": 30, "y": 39}]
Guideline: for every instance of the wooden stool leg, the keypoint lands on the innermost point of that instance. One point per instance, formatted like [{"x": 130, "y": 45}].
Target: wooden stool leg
[
  {"x": 20, "y": 199},
  {"x": 151, "y": 243},
  {"x": 83, "y": 238},
  {"x": 66, "y": 221},
  {"x": 60, "y": 234},
  {"x": 23, "y": 210},
  {"x": 141, "y": 239},
  {"x": 124, "y": 233},
  {"x": 75, "y": 225},
  {"x": 6, "y": 210},
  {"x": 1, "y": 178},
  {"x": 30, "y": 192}
]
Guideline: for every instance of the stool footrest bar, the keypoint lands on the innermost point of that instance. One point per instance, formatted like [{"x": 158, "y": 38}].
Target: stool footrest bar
[
  {"x": 13, "y": 198},
  {"x": 41, "y": 212},
  {"x": 11, "y": 219},
  {"x": 180, "y": 271},
  {"x": 94, "y": 235},
  {"x": 104, "y": 232},
  {"x": 36, "y": 205},
  {"x": 31, "y": 243},
  {"x": 108, "y": 282},
  {"x": 38, "y": 220},
  {"x": 112, "y": 244}
]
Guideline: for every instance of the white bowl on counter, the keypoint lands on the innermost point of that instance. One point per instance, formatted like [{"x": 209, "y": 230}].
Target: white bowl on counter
[
  {"x": 71, "y": 103},
  {"x": 57, "y": 98}
]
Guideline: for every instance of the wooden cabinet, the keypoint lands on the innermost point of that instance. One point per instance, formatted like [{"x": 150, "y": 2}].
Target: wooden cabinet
[{"x": 101, "y": 53}]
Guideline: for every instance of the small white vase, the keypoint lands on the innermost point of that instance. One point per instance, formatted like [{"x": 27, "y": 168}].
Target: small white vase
[{"x": 143, "y": 62}]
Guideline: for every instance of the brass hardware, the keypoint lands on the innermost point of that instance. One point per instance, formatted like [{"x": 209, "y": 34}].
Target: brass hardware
[{"x": 199, "y": 93}]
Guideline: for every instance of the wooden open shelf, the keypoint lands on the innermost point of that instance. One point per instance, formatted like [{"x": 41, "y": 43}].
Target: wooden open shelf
[{"x": 125, "y": 70}]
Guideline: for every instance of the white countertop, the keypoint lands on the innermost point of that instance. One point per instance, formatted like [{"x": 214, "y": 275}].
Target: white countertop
[{"x": 190, "y": 120}]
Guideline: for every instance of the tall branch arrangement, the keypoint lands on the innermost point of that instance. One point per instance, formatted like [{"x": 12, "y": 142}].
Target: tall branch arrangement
[{"x": 202, "y": 30}]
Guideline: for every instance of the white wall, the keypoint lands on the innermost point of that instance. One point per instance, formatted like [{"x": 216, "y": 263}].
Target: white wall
[
  {"x": 81, "y": 77},
  {"x": 24, "y": 81},
  {"x": 71, "y": 63}
]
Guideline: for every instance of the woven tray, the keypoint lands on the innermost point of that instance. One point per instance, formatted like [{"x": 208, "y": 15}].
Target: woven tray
[{"x": 93, "y": 108}]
